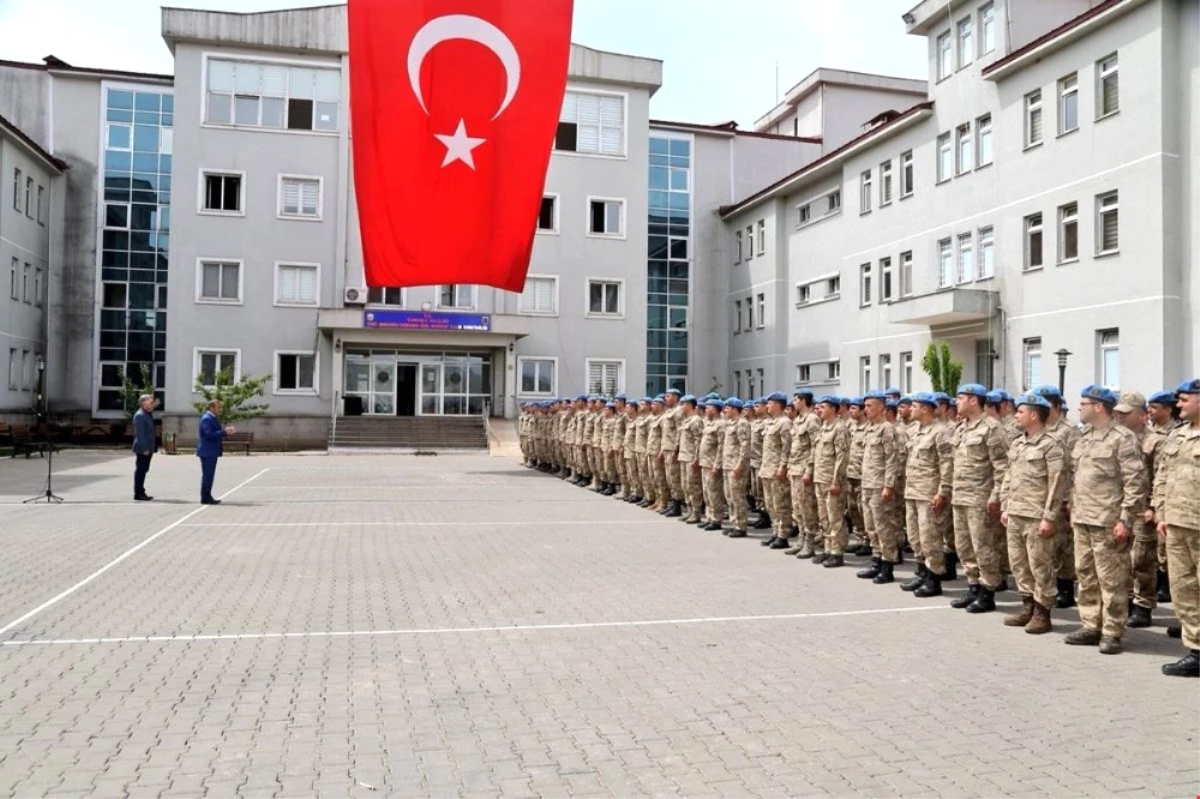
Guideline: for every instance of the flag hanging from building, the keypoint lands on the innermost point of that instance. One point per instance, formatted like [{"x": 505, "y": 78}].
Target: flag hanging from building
[{"x": 454, "y": 106}]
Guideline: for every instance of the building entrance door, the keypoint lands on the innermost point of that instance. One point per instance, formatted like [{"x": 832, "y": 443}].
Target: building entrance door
[
  {"x": 383, "y": 386},
  {"x": 431, "y": 390},
  {"x": 406, "y": 389}
]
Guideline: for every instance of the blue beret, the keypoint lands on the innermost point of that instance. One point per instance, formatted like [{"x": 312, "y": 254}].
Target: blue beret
[
  {"x": 941, "y": 396},
  {"x": 1048, "y": 391},
  {"x": 760, "y": 401},
  {"x": 925, "y": 398},
  {"x": 973, "y": 389},
  {"x": 675, "y": 391},
  {"x": 688, "y": 398},
  {"x": 646, "y": 400},
  {"x": 875, "y": 394},
  {"x": 1162, "y": 398},
  {"x": 734, "y": 402},
  {"x": 906, "y": 399},
  {"x": 892, "y": 405},
  {"x": 778, "y": 396},
  {"x": 716, "y": 402},
  {"x": 712, "y": 395},
  {"x": 1099, "y": 393},
  {"x": 857, "y": 401},
  {"x": 621, "y": 396},
  {"x": 581, "y": 398},
  {"x": 702, "y": 403},
  {"x": 1035, "y": 400},
  {"x": 803, "y": 392},
  {"x": 953, "y": 402},
  {"x": 828, "y": 399},
  {"x": 610, "y": 405},
  {"x": 843, "y": 400},
  {"x": 1191, "y": 386},
  {"x": 658, "y": 400},
  {"x": 892, "y": 390},
  {"x": 995, "y": 397}
]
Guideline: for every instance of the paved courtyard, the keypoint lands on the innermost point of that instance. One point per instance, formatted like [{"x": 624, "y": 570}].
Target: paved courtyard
[{"x": 459, "y": 625}]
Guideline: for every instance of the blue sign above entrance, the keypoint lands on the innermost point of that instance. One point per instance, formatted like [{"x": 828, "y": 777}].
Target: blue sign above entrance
[{"x": 427, "y": 320}]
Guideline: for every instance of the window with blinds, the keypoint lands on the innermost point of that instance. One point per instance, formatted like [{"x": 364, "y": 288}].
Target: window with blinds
[
  {"x": 1107, "y": 224},
  {"x": 220, "y": 282},
  {"x": 540, "y": 295},
  {"x": 1033, "y": 118},
  {"x": 1108, "y": 90},
  {"x": 247, "y": 94},
  {"x": 300, "y": 197},
  {"x": 604, "y": 377},
  {"x": 296, "y": 285},
  {"x": 591, "y": 123}
]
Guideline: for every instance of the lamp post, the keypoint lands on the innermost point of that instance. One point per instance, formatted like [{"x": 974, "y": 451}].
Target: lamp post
[
  {"x": 1062, "y": 354},
  {"x": 40, "y": 410}
]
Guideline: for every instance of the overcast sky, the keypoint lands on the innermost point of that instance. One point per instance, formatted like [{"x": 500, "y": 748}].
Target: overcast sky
[{"x": 719, "y": 55}]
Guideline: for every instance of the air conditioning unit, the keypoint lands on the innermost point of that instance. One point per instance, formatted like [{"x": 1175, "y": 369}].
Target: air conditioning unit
[{"x": 355, "y": 295}]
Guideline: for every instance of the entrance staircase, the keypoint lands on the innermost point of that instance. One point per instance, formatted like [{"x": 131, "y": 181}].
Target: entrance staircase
[{"x": 409, "y": 432}]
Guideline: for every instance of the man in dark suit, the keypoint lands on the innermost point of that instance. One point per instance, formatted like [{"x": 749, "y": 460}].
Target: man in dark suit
[
  {"x": 209, "y": 448},
  {"x": 144, "y": 445}
]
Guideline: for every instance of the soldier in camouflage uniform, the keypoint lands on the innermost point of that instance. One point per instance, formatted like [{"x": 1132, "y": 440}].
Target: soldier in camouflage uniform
[
  {"x": 980, "y": 457},
  {"x": 629, "y": 453},
  {"x": 805, "y": 426},
  {"x": 658, "y": 471},
  {"x": 930, "y": 471},
  {"x": 997, "y": 401},
  {"x": 735, "y": 465},
  {"x": 758, "y": 426},
  {"x": 1064, "y": 535},
  {"x": 777, "y": 443},
  {"x": 641, "y": 448},
  {"x": 880, "y": 472},
  {"x": 1130, "y": 413},
  {"x": 1031, "y": 498},
  {"x": 710, "y": 464},
  {"x": 831, "y": 452},
  {"x": 1163, "y": 419},
  {"x": 691, "y": 430},
  {"x": 1177, "y": 493},
  {"x": 858, "y": 427},
  {"x": 1108, "y": 492},
  {"x": 670, "y": 453}
]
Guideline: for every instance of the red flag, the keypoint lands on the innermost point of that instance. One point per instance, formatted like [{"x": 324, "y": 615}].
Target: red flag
[{"x": 454, "y": 105}]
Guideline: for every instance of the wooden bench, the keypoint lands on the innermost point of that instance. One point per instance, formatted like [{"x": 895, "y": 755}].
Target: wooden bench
[
  {"x": 240, "y": 439},
  {"x": 23, "y": 442}
]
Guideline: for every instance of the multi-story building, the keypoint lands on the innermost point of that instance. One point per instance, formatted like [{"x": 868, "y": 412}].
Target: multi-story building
[{"x": 1042, "y": 200}]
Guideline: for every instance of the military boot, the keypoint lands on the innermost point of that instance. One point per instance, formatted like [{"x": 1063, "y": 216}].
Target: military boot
[
  {"x": 873, "y": 572},
  {"x": 1083, "y": 637},
  {"x": 966, "y": 599},
  {"x": 819, "y": 557},
  {"x": 1111, "y": 646},
  {"x": 736, "y": 534},
  {"x": 1186, "y": 666},
  {"x": 778, "y": 543},
  {"x": 1174, "y": 631},
  {"x": 1066, "y": 594},
  {"x": 1021, "y": 617},
  {"x": 1139, "y": 617},
  {"x": 886, "y": 573},
  {"x": 984, "y": 603},
  {"x": 673, "y": 509},
  {"x": 1164, "y": 589},
  {"x": 918, "y": 579},
  {"x": 1003, "y": 586},
  {"x": 1040, "y": 623},
  {"x": 763, "y": 522},
  {"x": 806, "y": 546},
  {"x": 931, "y": 587},
  {"x": 951, "y": 572},
  {"x": 834, "y": 561}
]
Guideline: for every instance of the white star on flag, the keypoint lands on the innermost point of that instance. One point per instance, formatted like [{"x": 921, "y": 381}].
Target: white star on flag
[{"x": 459, "y": 146}]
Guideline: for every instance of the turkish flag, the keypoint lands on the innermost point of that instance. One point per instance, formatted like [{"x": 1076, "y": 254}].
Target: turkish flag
[{"x": 454, "y": 106}]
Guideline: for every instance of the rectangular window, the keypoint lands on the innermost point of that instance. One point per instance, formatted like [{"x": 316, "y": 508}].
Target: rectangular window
[
  {"x": 1107, "y": 224},
  {"x": 749, "y": 314},
  {"x": 1068, "y": 233},
  {"x": 386, "y": 295},
  {"x": 987, "y": 28},
  {"x": 835, "y": 201},
  {"x": 605, "y": 377},
  {"x": 906, "y": 277},
  {"x": 885, "y": 183},
  {"x": 537, "y": 376},
  {"x": 885, "y": 371},
  {"x": 983, "y": 140},
  {"x": 833, "y": 286},
  {"x": 223, "y": 193},
  {"x": 26, "y": 371},
  {"x": 749, "y": 242},
  {"x": 1109, "y": 358},
  {"x": 1033, "y": 118},
  {"x": 1107, "y": 87},
  {"x": 1033, "y": 241},
  {"x": 297, "y": 373},
  {"x": 1032, "y": 359},
  {"x": 966, "y": 45},
  {"x": 540, "y": 295},
  {"x": 906, "y": 372},
  {"x": 16, "y": 190},
  {"x": 803, "y": 374},
  {"x": 12, "y": 280},
  {"x": 220, "y": 281},
  {"x": 591, "y": 123},
  {"x": 606, "y": 218},
  {"x": 984, "y": 362},
  {"x": 762, "y": 310},
  {"x": 296, "y": 284},
  {"x": 885, "y": 277},
  {"x": 762, "y": 236},
  {"x": 803, "y": 214},
  {"x": 26, "y": 294},
  {"x": 456, "y": 296},
  {"x": 737, "y": 380},
  {"x": 604, "y": 298},
  {"x": 864, "y": 194},
  {"x": 272, "y": 96},
  {"x": 835, "y": 370},
  {"x": 864, "y": 284},
  {"x": 29, "y": 197},
  {"x": 966, "y": 258},
  {"x": 906, "y": 174},
  {"x": 1068, "y": 104},
  {"x": 737, "y": 316},
  {"x": 987, "y": 252},
  {"x": 37, "y": 286},
  {"x": 14, "y": 367},
  {"x": 945, "y": 157},
  {"x": 945, "y": 264},
  {"x": 803, "y": 294},
  {"x": 41, "y": 205},
  {"x": 945, "y": 50},
  {"x": 737, "y": 241},
  {"x": 864, "y": 374},
  {"x": 211, "y": 363},
  {"x": 548, "y": 215},
  {"x": 116, "y": 216},
  {"x": 965, "y": 148},
  {"x": 300, "y": 197}
]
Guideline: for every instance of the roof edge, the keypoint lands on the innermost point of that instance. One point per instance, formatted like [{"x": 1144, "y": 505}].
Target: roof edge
[
  {"x": 729, "y": 130},
  {"x": 39, "y": 152},
  {"x": 62, "y": 68},
  {"x": 1049, "y": 41}
]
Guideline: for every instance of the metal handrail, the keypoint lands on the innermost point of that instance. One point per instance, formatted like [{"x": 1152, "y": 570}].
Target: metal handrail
[{"x": 487, "y": 424}]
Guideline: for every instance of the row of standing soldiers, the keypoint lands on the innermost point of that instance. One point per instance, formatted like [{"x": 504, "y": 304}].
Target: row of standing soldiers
[{"x": 1104, "y": 514}]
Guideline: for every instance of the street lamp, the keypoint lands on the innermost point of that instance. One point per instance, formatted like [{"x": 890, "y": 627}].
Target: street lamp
[
  {"x": 1062, "y": 354},
  {"x": 41, "y": 395}
]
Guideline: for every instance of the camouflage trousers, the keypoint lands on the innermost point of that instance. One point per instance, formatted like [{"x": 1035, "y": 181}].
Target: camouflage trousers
[
  {"x": 804, "y": 505},
  {"x": 645, "y": 478},
  {"x": 774, "y": 495},
  {"x": 854, "y": 509},
  {"x": 632, "y": 480},
  {"x": 882, "y": 518},
  {"x": 661, "y": 491},
  {"x": 674, "y": 475},
  {"x": 831, "y": 511},
  {"x": 714, "y": 495},
  {"x": 1032, "y": 559},
  {"x": 976, "y": 545},
  {"x": 926, "y": 533},
  {"x": 1183, "y": 559},
  {"x": 693, "y": 489},
  {"x": 735, "y": 495},
  {"x": 755, "y": 483},
  {"x": 1102, "y": 567},
  {"x": 1064, "y": 549},
  {"x": 1001, "y": 537},
  {"x": 1144, "y": 564}
]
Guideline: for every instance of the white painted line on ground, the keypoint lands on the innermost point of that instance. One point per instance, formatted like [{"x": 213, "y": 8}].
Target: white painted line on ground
[
  {"x": 118, "y": 559},
  {"x": 418, "y": 524},
  {"x": 595, "y": 625}
]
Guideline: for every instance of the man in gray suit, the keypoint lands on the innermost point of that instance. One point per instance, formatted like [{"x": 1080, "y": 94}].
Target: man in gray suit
[{"x": 144, "y": 445}]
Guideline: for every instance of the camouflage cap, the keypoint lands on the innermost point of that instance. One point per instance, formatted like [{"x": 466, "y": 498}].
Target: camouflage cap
[{"x": 1129, "y": 401}]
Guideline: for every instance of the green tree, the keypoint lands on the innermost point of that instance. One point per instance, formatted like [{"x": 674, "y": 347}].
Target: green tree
[
  {"x": 237, "y": 398},
  {"x": 943, "y": 370},
  {"x": 716, "y": 386},
  {"x": 132, "y": 389}
]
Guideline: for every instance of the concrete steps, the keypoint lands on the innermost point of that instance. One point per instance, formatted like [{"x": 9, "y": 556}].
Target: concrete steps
[{"x": 411, "y": 432}]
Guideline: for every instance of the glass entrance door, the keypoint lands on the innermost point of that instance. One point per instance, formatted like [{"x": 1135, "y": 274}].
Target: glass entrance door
[
  {"x": 431, "y": 389},
  {"x": 383, "y": 386}
]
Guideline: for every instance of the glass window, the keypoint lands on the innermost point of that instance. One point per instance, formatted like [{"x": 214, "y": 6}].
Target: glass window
[
  {"x": 1068, "y": 232},
  {"x": 540, "y": 295},
  {"x": 1033, "y": 118},
  {"x": 275, "y": 96},
  {"x": 300, "y": 197},
  {"x": 906, "y": 276},
  {"x": 591, "y": 123},
  {"x": 965, "y": 147},
  {"x": 906, "y": 174},
  {"x": 296, "y": 372},
  {"x": 548, "y": 214},
  {"x": 1107, "y": 224},
  {"x": 885, "y": 183},
  {"x": 885, "y": 278},
  {"x": 1108, "y": 87},
  {"x": 945, "y": 157},
  {"x": 966, "y": 48},
  {"x": 945, "y": 56},
  {"x": 1068, "y": 104},
  {"x": 604, "y": 298},
  {"x": 1033, "y": 241},
  {"x": 297, "y": 285},
  {"x": 966, "y": 258},
  {"x": 864, "y": 284},
  {"x": 1110, "y": 359},
  {"x": 222, "y": 193},
  {"x": 1032, "y": 363},
  {"x": 983, "y": 136},
  {"x": 864, "y": 194},
  {"x": 945, "y": 264},
  {"x": 537, "y": 376},
  {"x": 213, "y": 363},
  {"x": 607, "y": 218},
  {"x": 987, "y": 28},
  {"x": 220, "y": 281},
  {"x": 987, "y": 253}
]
